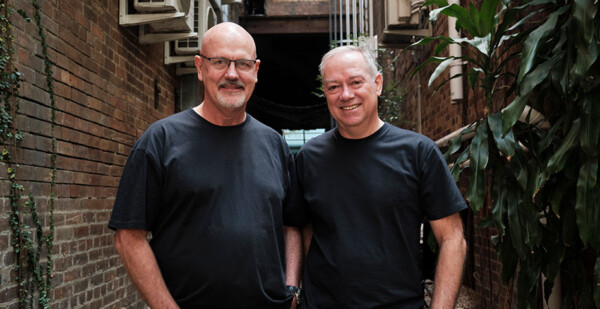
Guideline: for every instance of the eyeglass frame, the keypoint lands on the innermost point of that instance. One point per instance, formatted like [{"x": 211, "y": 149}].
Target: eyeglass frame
[{"x": 229, "y": 61}]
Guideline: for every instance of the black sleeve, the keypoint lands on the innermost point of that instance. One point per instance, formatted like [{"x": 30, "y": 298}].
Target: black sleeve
[
  {"x": 139, "y": 194},
  {"x": 440, "y": 195},
  {"x": 294, "y": 212}
]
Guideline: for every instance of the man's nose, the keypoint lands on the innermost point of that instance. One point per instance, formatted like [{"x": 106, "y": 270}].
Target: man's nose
[
  {"x": 347, "y": 93},
  {"x": 231, "y": 72}
]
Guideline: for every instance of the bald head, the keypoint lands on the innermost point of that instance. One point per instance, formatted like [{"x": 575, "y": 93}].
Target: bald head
[
  {"x": 227, "y": 34},
  {"x": 227, "y": 88}
]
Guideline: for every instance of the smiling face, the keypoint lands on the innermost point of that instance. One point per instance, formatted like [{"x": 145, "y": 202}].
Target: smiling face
[
  {"x": 351, "y": 93},
  {"x": 227, "y": 88}
]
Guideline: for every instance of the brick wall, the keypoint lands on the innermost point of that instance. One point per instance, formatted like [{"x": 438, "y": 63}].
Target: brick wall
[{"x": 104, "y": 84}]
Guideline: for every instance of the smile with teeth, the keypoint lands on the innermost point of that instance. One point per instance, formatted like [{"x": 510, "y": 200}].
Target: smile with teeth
[{"x": 349, "y": 108}]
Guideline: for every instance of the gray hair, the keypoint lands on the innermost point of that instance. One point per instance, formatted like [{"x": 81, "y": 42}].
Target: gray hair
[{"x": 369, "y": 57}]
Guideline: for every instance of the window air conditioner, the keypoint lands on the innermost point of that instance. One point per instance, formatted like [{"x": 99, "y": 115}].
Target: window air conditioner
[
  {"x": 180, "y": 24},
  {"x": 403, "y": 14},
  {"x": 404, "y": 21},
  {"x": 144, "y": 15},
  {"x": 204, "y": 18},
  {"x": 183, "y": 64},
  {"x": 162, "y": 5},
  {"x": 169, "y": 30},
  {"x": 170, "y": 57}
]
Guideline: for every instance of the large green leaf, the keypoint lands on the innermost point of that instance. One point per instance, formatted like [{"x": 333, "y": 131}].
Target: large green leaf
[
  {"x": 474, "y": 76},
  {"x": 474, "y": 20},
  {"x": 512, "y": 112},
  {"x": 507, "y": 37},
  {"x": 439, "y": 3},
  {"x": 429, "y": 60},
  {"x": 586, "y": 57},
  {"x": 539, "y": 74},
  {"x": 557, "y": 161},
  {"x": 529, "y": 216},
  {"x": 590, "y": 124},
  {"x": 441, "y": 47},
  {"x": 482, "y": 44},
  {"x": 486, "y": 16},
  {"x": 519, "y": 167},
  {"x": 508, "y": 258},
  {"x": 457, "y": 168},
  {"x": 499, "y": 196},
  {"x": 588, "y": 217},
  {"x": 535, "y": 41},
  {"x": 555, "y": 249},
  {"x": 584, "y": 12},
  {"x": 441, "y": 68},
  {"x": 556, "y": 197},
  {"x": 527, "y": 281},
  {"x": 455, "y": 143},
  {"x": 506, "y": 143},
  {"x": 479, "y": 159},
  {"x": 547, "y": 137},
  {"x": 461, "y": 15}
]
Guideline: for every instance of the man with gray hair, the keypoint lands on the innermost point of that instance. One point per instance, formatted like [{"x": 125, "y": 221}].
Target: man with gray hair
[{"x": 368, "y": 186}]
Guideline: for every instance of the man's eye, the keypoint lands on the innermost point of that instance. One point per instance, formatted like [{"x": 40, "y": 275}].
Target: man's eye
[
  {"x": 244, "y": 65},
  {"x": 357, "y": 83},
  {"x": 218, "y": 61},
  {"x": 332, "y": 88}
]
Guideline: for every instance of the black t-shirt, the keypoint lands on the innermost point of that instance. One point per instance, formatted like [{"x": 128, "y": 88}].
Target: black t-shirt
[
  {"x": 215, "y": 199},
  {"x": 367, "y": 199}
]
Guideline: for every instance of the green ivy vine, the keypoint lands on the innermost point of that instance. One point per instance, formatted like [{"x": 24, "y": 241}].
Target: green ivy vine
[{"x": 32, "y": 246}]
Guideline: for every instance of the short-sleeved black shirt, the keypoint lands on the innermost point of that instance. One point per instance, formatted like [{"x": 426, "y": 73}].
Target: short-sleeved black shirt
[
  {"x": 367, "y": 199},
  {"x": 215, "y": 199}
]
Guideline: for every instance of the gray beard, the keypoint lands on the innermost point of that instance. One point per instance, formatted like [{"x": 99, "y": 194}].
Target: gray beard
[{"x": 231, "y": 102}]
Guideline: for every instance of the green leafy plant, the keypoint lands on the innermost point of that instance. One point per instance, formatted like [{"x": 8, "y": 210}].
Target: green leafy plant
[
  {"x": 540, "y": 168},
  {"x": 31, "y": 244},
  {"x": 391, "y": 105}
]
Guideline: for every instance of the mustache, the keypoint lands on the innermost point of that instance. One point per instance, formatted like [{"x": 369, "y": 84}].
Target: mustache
[{"x": 231, "y": 83}]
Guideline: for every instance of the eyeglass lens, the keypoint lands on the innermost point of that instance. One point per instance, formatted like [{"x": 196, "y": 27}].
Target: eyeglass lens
[{"x": 240, "y": 64}]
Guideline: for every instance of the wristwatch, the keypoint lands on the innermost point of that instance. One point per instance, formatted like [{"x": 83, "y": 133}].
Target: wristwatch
[{"x": 295, "y": 291}]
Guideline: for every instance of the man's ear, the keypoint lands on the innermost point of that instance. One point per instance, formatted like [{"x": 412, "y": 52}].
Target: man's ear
[
  {"x": 378, "y": 83},
  {"x": 257, "y": 65},
  {"x": 198, "y": 62}
]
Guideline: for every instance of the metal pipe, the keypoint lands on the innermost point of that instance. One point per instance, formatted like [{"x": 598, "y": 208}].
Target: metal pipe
[
  {"x": 330, "y": 20},
  {"x": 371, "y": 18},
  {"x": 354, "y": 21},
  {"x": 454, "y": 50}
]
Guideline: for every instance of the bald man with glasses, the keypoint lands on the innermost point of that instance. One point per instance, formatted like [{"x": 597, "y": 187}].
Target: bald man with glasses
[{"x": 214, "y": 188}]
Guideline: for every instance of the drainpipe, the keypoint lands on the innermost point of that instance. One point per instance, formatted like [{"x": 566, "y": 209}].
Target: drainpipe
[
  {"x": 419, "y": 122},
  {"x": 456, "y": 88},
  {"x": 371, "y": 18}
]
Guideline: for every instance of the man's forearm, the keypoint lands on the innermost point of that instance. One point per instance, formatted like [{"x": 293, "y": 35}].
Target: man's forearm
[
  {"x": 141, "y": 265},
  {"x": 453, "y": 249},
  {"x": 448, "y": 274},
  {"x": 293, "y": 255}
]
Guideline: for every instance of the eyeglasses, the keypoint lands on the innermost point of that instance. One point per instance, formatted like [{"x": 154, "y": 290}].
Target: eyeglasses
[{"x": 220, "y": 63}]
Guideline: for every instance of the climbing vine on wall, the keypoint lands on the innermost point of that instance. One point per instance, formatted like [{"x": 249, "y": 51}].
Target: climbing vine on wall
[{"x": 31, "y": 241}]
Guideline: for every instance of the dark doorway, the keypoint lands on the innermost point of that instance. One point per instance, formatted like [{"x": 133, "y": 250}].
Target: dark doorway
[{"x": 287, "y": 79}]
